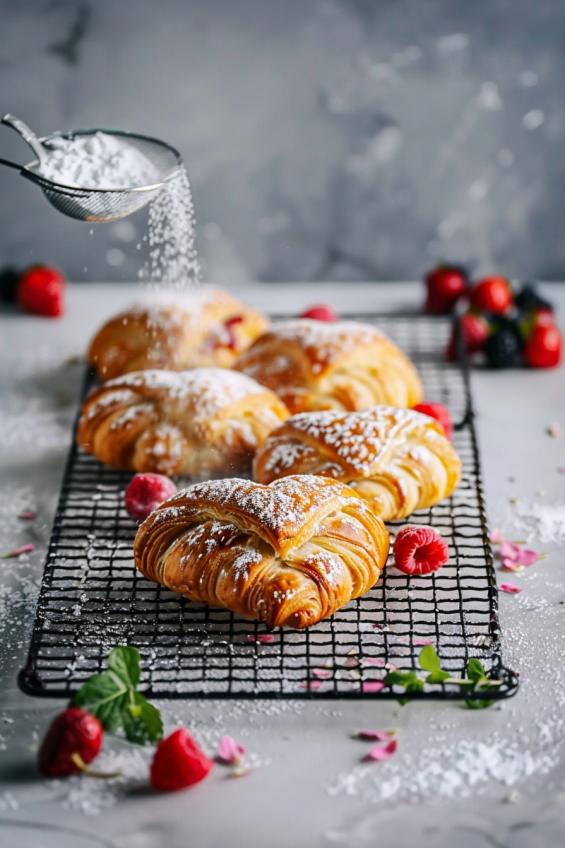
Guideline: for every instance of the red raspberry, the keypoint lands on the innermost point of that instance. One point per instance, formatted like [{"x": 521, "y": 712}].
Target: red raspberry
[
  {"x": 492, "y": 294},
  {"x": 178, "y": 762},
  {"x": 146, "y": 492},
  {"x": 444, "y": 285},
  {"x": 320, "y": 312},
  {"x": 440, "y": 413},
  {"x": 73, "y": 732},
  {"x": 475, "y": 331},
  {"x": 544, "y": 348},
  {"x": 419, "y": 550},
  {"x": 40, "y": 291}
]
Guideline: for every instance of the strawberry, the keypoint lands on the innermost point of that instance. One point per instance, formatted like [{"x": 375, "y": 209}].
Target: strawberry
[
  {"x": 40, "y": 291},
  {"x": 320, "y": 312},
  {"x": 419, "y": 550},
  {"x": 475, "y": 330},
  {"x": 445, "y": 285},
  {"x": 146, "y": 492},
  {"x": 440, "y": 413},
  {"x": 178, "y": 762},
  {"x": 492, "y": 294},
  {"x": 544, "y": 348},
  {"x": 74, "y": 738}
]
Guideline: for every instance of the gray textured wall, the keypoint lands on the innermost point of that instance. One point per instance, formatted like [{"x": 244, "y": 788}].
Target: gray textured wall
[{"x": 325, "y": 139}]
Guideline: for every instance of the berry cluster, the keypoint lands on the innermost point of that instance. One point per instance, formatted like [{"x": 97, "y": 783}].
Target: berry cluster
[
  {"x": 39, "y": 290},
  {"x": 508, "y": 328}
]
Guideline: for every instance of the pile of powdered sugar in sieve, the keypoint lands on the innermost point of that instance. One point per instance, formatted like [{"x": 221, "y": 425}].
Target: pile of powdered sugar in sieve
[{"x": 98, "y": 161}]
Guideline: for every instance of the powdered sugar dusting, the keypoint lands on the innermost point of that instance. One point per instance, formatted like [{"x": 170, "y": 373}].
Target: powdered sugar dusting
[
  {"x": 283, "y": 506},
  {"x": 326, "y": 342},
  {"x": 208, "y": 390},
  {"x": 359, "y": 438}
]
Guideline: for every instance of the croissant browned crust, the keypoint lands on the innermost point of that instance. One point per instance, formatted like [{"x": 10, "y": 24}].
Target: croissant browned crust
[
  {"x": 398, "y": 459},
  {"x": 289, "y": 554},
  {"x": 344, "y": 365},
  {"x": 206, "y": 327},
  {"x": 204, "y": 421}
]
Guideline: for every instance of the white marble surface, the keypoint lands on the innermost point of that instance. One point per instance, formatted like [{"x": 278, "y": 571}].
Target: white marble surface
[{"x": 454, "y": 769}]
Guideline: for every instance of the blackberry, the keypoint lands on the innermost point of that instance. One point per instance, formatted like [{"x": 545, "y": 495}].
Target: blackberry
[
  {"x": 503, "y": 349},
  {"x": 8, "y": 281},
  {"x": 528, "y": 299}
]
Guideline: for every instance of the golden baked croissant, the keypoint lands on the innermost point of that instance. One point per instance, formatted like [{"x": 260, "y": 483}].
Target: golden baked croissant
[
  {"x": 287, "y": 554},
  {"x": 206, "y": 327},
  {"x": 343, "y": 365},
  {"x": 204, "y": 421},
  {"x": 398, "y": 459}
]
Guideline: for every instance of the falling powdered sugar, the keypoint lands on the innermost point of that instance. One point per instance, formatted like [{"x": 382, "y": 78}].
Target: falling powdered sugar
[{"x": 173, "y": 258}]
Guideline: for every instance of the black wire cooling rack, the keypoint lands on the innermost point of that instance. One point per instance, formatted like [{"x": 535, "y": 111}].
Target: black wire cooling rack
[{"x": 92, "y": 597}]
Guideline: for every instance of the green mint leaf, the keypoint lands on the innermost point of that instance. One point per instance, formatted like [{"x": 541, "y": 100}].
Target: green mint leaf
[
  {"x": 141, "y": 720},
  {"x": 124, "y": 661},
  {"x": 429, "y": 661},
  {"x": 475, "y": 671},
  {"x": 408, "y": 679},
  {"x": 104, "y": 695},
  {"x": 478, "y": 704}
]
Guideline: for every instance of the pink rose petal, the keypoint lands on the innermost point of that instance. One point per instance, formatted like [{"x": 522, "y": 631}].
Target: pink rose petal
[
  {"x": 391, "y": 667},
  {"x": 526, "y": 557},
  {"x": 375, "y": 735},
  {"x": 25, "y": 549},
  {"x": 382, "y": 752},
  {"x": 28, "y": 515},
  {"x": 372, "y": 686},
  {"x": 322, "y": 673},
  {"x": 508, "y": 550},
  {"x": 561, "y": 469},
  {"x": 423, "y": 642},
  {"x": 508, "y": 565},
  {"x": 264, "y": 638},
  {"x": 496, "y": 536},
  {"x": 230, "y": 751},
  {"x": 374, "y": 661},
  {"x": 555, "y": 430},
  {"x": 377, "y": 626},
  {"x": 510, "y": 588},
  {"x": 351, "y": 662},
  {"x": 311, "y": 684}
]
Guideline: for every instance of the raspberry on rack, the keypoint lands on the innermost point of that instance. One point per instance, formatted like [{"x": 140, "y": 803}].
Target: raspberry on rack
[
  {"x": 419, "y": 549},
  {"x": 146, "y": 492},
  {"x": 439, "y": 412}
]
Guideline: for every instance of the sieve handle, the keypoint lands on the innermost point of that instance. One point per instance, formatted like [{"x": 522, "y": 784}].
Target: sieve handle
[
  {"x": 27, "y": 135},
  {"x": 11, "y": 164}
]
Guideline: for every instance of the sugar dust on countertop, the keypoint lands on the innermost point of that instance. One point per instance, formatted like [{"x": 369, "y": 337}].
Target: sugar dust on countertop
[{"x": 98, "y": 161}]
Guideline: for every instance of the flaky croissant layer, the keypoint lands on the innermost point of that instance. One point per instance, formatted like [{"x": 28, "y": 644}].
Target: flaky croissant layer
[
  {"x": 397, "y": 459},
  {"x": 198, "y": 422},
  {"x": 288, "y": 554},
  {"x": 346, "y": 365}
]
